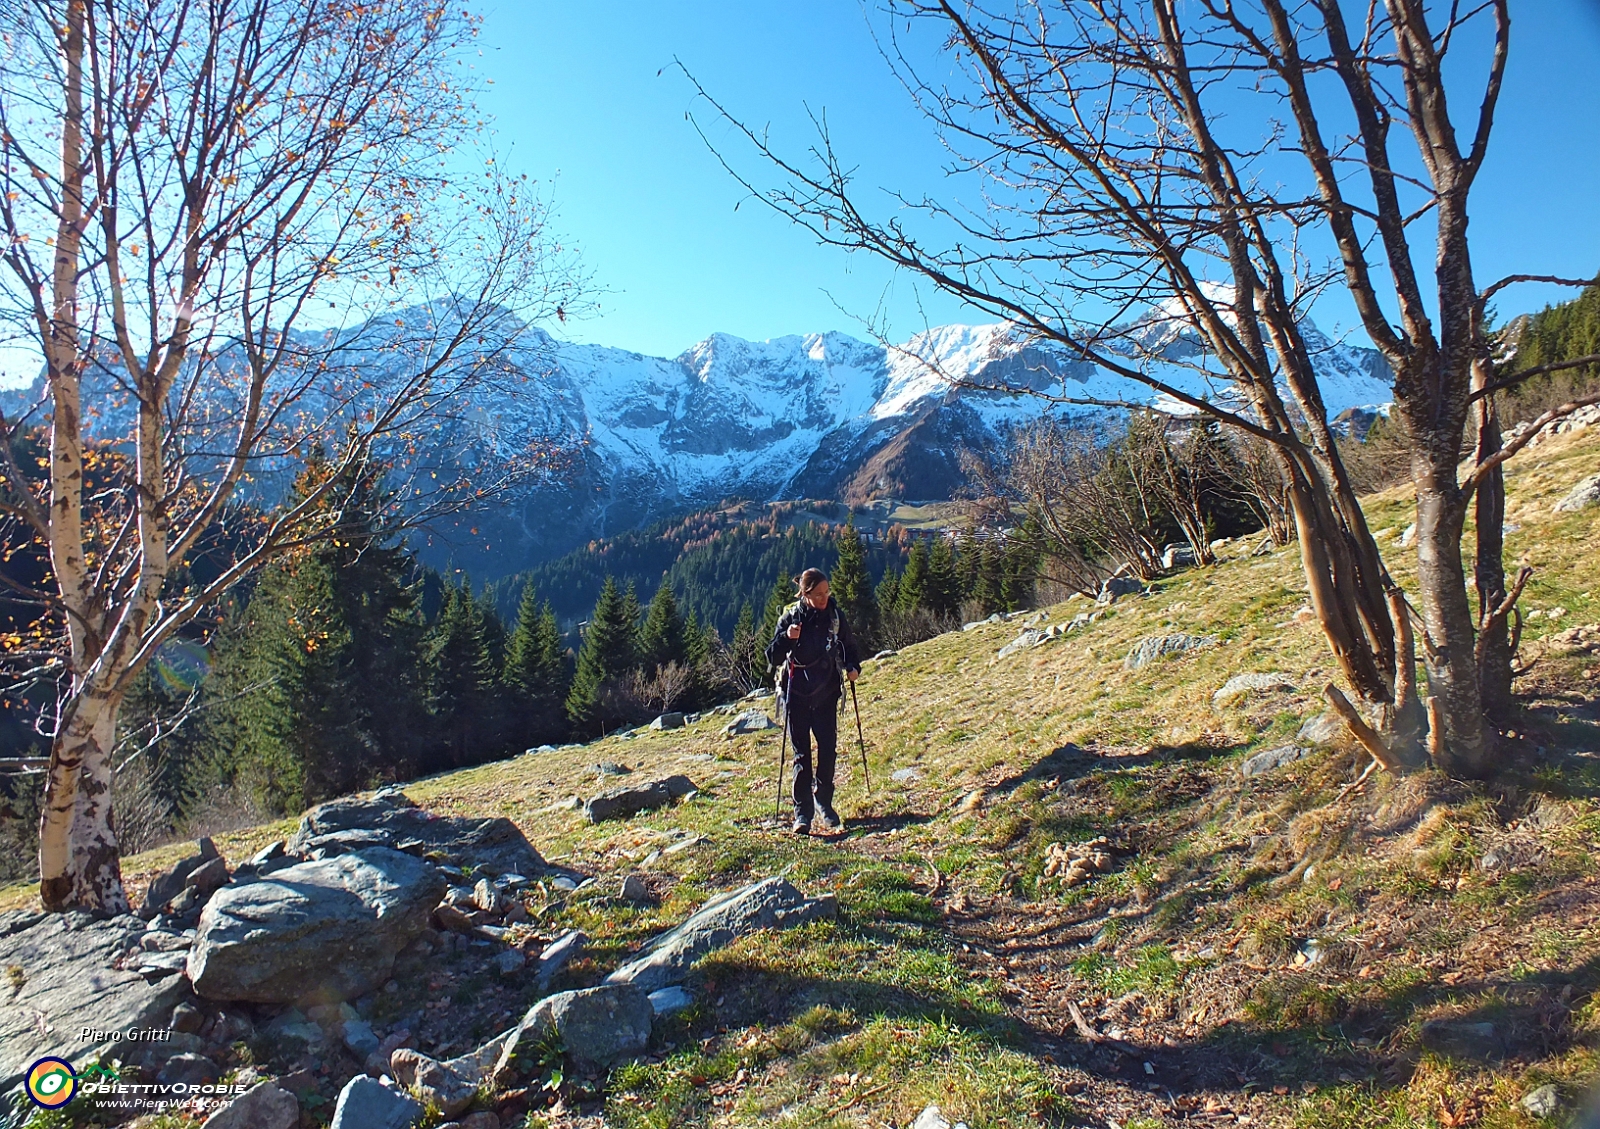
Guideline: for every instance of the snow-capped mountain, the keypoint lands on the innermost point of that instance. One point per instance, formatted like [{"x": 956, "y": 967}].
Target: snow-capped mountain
[{"x": 820, "y": 415}]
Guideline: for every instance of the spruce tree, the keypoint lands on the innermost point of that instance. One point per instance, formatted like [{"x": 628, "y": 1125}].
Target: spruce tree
[
  {"x": 604, "y": 659},
  {"x": 463, "y": 681},
  {"x": 942, "y": 589},
  {"x": 662, "y": 639},
  {"x": 536, "y": 674},
  {"x": 888, "y": 592},
  {"x": 780, "y": 599},
  {"x": 1019, "y": 571},
  {"x": 968, "y": 563},
  {"x": 988, "y": 587},
  {"x": 912, "y": 593},
  {"x": 852, "y": 588}
]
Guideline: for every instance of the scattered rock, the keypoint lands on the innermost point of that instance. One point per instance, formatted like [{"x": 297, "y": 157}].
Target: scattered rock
[
  {"x": 1582, "y": 496},
  {"x": 1584, "y": 640},
  {"x": 187, "y": 1070},
  {"x": 358, "y": 1035},
  {"x": 366, "y": 1104},
  {"x": 1031, "y": 637},
  {"x": 933, "y": 1118},
  {"x": 65, "y": 983},
  {"x": 486, "y": 896},
  {"x": 1409, "y": 536},
  {"x": 773, "y": 903},
  {"x": 750, "y": 721},
  {"x": 619, "y": 803},
  {"x": 433, "y": 1082},
  {"x": 905, "y": 776},
  {"x": 1116, "y": 587},
  {"x": 1462, "y": 1040},
  {"x": 665, "y": 1001},
  {"x": 163, "y": 888},
  {"x": 595, "y": 1025},
  {"x": 671, "y": 720},
  {"x": 556, "y": 956},
  {"x": 186, "y": 1018},
  {"x": 1273, "y": 758},
  {"x": 509, "y": 962},
  {"x": 1153, "y": 647},
  {"x": 330, "y": 927},
  {"x": 612, "y": 768},
  {"x": 881, "y": 655},
  {"x": 265, "y": 1106},
  {"x": 1177, "y": 556},
  {"x": 634, "y": 889},
  {"x": 164, "y": 941},
  {"x": 452, "y": 920},
  {"x": 495, "y": 843},
  {"x": 1542, "y": 1102},
  {"x": 209, "y": 877},
  {"x": 1324, "y": 729},
  {"x": 1243, "y": 685}
]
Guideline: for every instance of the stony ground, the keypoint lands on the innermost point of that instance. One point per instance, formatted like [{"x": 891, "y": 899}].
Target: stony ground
[{"x": 1293, "y": 948}]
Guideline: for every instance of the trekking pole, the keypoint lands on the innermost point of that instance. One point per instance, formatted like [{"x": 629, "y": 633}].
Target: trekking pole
[
  {"x": 783, "y": 753},
  {"x": 856, "y": 702}
]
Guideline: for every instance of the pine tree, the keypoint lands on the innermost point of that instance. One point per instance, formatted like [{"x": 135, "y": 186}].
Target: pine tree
[
  {"x": 852, "y": 588},
  {"x": 888, "y": 591},
  {"x": 463, "y": 681},
  {"x": 779, "y": 600},
  {"x": 536, "y": 674},
  {"x": 606, "y": 656},
  {"x": 942, "y": 589},
  {"x": 968, "y": 563},
  {"x": 912, "y": 593},
  {"x": 662, "y": 640},
  {"x": 988, "y": 587},
  {"x": 1019, "y": 571}
]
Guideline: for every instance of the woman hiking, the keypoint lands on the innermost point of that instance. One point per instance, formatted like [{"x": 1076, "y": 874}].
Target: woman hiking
[{"x": 813, "y": 646}]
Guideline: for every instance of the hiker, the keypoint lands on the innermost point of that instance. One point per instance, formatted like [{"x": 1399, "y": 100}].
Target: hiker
[{"x": 812, "y": 647}]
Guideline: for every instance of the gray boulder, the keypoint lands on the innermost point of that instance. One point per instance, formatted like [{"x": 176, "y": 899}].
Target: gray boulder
[
  {"x": 1543, "y": 1102},
  {"x": 1153, "y": 647},
  {"x": 1324, "y": 729},
  {"x": 1273, "y": 758},
  {"x": 65, "y": 983},
  {"x": 1177, "y": 556},
  {"x": 388, "y": 818},
  {"x": 164, "y": 887},
  {"x": 669, "y": 720},
  {"x": 364, "y": 1103},
  {"x": 1116, "y": 587},
  {"x": 433, "y": 1081},
  {"x": 557, "y": 955},
  {"x": 1582, "y": 496},
  {"x": 323, "y": 929},
  {"x": 773, "y": 903},
  {"x": 619, "y": 803},
  {"x": 266, "y": 1106},
  {"x": 1243, "y": 685},
  {"x": 595, "y": 1025},
  {"x": 1029, "y": 638},
  {"x": 750, "y": 721},
  {"x": 666, "y": 1001},
  {"x": 187, "y": 1070}
]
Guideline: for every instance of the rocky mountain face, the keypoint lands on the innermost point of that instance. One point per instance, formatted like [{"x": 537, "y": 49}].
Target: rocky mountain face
[{"x": 819, "y": 415}]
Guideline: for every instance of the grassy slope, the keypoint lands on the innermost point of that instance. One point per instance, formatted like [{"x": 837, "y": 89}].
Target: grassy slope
[{"x": 949, "y": 974}]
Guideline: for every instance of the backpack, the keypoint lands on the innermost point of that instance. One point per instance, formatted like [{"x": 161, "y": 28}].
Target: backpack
[{"x": 834, "y": 653}]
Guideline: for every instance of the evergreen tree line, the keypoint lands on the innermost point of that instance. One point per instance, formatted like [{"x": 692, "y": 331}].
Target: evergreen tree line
[{"x": 1556, "y": 333}]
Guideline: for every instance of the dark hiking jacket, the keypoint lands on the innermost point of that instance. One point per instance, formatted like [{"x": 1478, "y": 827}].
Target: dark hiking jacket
[{"x": 818, "y": 656}]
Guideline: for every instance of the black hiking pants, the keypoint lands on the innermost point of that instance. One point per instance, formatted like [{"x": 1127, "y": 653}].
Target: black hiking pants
[{"x": 819, "y": 717}]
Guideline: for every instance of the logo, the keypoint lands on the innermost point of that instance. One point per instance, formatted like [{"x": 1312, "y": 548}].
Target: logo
[{"x": 52, "y": 1083}]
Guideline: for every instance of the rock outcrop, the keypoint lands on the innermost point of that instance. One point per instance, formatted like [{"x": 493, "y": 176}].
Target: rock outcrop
[
  {"x": 596, "y": 1026},
  {"x": 619, "y": 803},
  {"x": 390, "y": 819},
  {"x": 325, "y": 929},
  {"x": 1153, "y": 647},
  {"x": 773, "y": 903}
]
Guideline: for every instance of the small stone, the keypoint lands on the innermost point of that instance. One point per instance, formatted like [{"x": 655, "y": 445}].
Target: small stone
[
  {"x": 209, "y": 877},
  {"x": 750, "y": 721},
  {"x": 1243, "y": 685},
  {"x": 670, "y": 720},
  {"x": 365, "y": 1104},
  {"x": 187, "y": 1069},
  {"x": 1462, "y": 1040},
  {"x": 1323, "y": 729},
  {"x": 360, "y": 1038},
  {"x": 433, "y": 1081},
  {"x": 665, "y": 1001},
  {"x": 1273, "y": 758},
  {"x": 931, "y": 1118},
  {"x": 557, "y": 955},
  {"x": 1543, "y": 1102},
  {"x": 1583, "y": 495},
  {"x": 597, "y": 1026},
  {"x": 905, "y": 776},
  {"x": 634, "y": 889},
  {"x": 487, "y": 898},
  {"x": 1153, "y": 647},
  {"x": 161, "y": 941},
  {"x": 510, "y": 961},
  {"x": 264, "y": 1106},
  {"x": 186, "y": 1018}
]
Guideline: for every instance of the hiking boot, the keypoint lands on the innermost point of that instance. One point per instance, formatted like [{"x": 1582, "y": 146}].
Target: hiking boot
[
  {"x": 830, "y": 818},
  {"x": 802, "y": 827}
]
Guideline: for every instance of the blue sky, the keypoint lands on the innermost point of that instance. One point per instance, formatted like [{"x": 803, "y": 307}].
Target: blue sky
[{"x": 585, "y": 95}]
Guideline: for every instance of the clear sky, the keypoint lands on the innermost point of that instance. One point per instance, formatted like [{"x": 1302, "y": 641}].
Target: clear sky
[{"x": 586, "y": 93}]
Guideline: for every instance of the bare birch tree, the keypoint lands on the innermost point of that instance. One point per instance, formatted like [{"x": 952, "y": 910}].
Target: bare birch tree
[
  {"x": 1130, "y": 202},
  {"x": 231, "y": 230}
]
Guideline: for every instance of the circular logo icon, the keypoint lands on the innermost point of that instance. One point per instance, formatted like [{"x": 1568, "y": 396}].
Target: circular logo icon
[{"x": 52, "y": 1082}]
